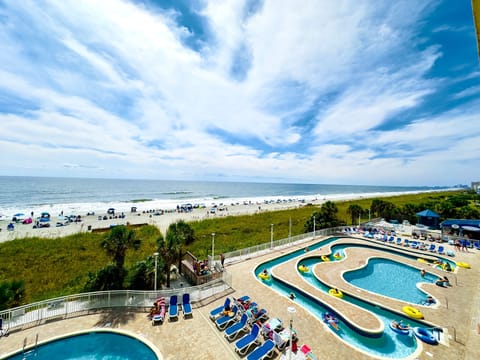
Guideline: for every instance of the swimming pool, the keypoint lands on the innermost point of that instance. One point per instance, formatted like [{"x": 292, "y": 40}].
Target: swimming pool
[
  {"x": 94, "y": 345},
  {"x": 388, "y": 345},
  {"x": 390, "y": 278}
]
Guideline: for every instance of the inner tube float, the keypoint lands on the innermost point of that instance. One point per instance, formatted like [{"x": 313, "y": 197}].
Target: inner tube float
[
  {"x": 405, "y": 331},
  {"x": 330, "y": 320},
  {"x": 463, "y": 265},
  {"x": 337, "y": 256},
  {"x": 264, "y": 276},
  {"x": 422, "y": 260},
  {"x": 325, "y": 258},
  {"x": 425, "y": 335},
  {"x": 412, "y": 312},
  {"x": 337, "y": 293},
  {"x": 303, "y": 268}
]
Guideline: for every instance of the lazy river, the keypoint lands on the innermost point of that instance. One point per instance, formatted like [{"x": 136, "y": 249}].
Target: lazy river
[{"x": 388, "y": 345}]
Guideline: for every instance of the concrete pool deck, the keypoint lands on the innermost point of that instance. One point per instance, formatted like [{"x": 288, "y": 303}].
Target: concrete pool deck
[{"x": 197, "y": 337}]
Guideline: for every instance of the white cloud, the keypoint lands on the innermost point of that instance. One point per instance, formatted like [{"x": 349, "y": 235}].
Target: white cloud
[{"x": 115, "y": 91}]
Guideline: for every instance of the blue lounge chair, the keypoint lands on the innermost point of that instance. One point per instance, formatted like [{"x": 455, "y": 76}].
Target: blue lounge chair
[
  {"x": 391, "y": 239},
  {"x": 476, "y": 245},
  {"x": 432, "y": 248},
  {"x": 218, "y": 310},
  {"x": 399, "y": 241},
  {"x": 441, "y": 250},
  {"x": 228, "y": 319},
  {"x": 186, "y": 306},
  {"x": 258, "y": 315},
  {"x": 173, "y": 308},
  {"x": 406, "y": 243},
  {"x": 232, "y": 331},
  {"x": 263, "y": 351},
  {"x": 242, "y": 345},
  {"x": 414, "y": 244}
]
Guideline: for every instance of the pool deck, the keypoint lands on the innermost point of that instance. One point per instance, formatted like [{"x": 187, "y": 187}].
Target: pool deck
[{"x": 458, "y": 312}]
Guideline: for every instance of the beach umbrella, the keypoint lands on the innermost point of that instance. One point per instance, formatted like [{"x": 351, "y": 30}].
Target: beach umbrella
[{"x": 44, "y": 219}]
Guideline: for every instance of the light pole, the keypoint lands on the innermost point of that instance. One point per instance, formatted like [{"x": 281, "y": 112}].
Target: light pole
[
  {"x": 213, "y": 246},
  {"x": 156, "y": 262},
  {"x": 291, "y": 311},
  {"x": 314, "y": 226},
  {"x": 290, "y": 228},
  {"x": 271, "y": 236}
]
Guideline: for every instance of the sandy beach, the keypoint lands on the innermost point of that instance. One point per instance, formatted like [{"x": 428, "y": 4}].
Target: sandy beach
[
  {"x": 163, "y": 218},
  {"x": 153, "y": 217}
]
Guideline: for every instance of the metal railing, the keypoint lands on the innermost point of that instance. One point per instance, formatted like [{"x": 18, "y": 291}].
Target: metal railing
[
  {"x": 265, "y": 248},
  {"x": 81, "y": 304},
  {"x": 85, "y": 303}
]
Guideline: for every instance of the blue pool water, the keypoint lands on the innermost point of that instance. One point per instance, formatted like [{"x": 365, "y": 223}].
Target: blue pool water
[
  {"x": 91, "y": 346},
  {"x": 390, "y": 278},
  {"x": 389, "y": 344}
]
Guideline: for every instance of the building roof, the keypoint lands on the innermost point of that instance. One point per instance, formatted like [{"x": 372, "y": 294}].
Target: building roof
[{"x": 461, "y": 222}]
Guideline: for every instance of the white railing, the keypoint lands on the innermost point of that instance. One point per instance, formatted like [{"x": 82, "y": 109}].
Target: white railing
[{"x": 80, "y": 304}]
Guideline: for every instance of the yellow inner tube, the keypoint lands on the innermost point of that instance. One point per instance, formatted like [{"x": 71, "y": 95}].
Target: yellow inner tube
[
  {"x": 463, "y": 265},
  {"x": 422, "y": 260},
  {"x": 412, "y": 312},
  {"x": 325, "y": 258},
  {"x": 303, "y": 268},
  {"x": 336, "y": 293},
  {"x": 337, "y": 256},
  {"x": 264, "y": 276}
]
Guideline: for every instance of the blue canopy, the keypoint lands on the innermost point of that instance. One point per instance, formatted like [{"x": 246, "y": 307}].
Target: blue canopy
[{"x": 428, "y": 213}]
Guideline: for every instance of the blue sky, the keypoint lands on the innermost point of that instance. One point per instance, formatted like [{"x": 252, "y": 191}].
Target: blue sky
[{"x": 342, "y": 92}]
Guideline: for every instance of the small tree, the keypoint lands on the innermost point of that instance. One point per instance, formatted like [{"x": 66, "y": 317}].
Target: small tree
[
  {"x": 116, "y": 243},
  {"x": 11, "y": 294}
]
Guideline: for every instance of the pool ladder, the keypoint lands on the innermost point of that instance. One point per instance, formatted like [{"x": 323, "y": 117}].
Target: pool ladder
[{"x": 25, "y": 341}]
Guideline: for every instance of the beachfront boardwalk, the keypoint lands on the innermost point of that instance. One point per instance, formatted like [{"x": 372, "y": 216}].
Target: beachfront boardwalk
[{"x": 198, "y": 338}]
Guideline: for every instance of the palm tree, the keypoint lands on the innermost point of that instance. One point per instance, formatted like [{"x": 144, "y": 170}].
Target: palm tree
[
  {"x": 355, "y": 211},
  {"x": 116, "y": 243},
  {"x": 168, "y": 248},
  {"x": 185, "y": 235}
]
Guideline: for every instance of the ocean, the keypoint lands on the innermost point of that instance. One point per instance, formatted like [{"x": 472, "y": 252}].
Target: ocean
[{"x": 78, "y": 196}]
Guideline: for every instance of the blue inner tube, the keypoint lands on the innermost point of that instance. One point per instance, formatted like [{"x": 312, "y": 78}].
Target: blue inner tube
[
  {"x": 425, "y": 335},
  {"x": 400, "y": 331}
]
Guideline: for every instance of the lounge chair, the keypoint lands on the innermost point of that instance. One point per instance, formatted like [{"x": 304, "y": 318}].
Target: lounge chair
[
  {"x": 391, "y": 239},
  {"x": 186, "y": 306},
  {"x": 414, "y": 244},
  {"x": 218, "y": 310},
  {"x": 228, "y": 319},
  {"x": 232, "y": 331},
  {"x": 242, "y": 345},
  {"x": 441, "y": 250},
  {"x": 476, "y": 245},
  {"x": 432, "y": 248},
  {"x": 263, "y": 351},
  {"x": 258, "y": 315},
  {"x": 173, "y": 308},
  {"x": 399, "y": 241}
]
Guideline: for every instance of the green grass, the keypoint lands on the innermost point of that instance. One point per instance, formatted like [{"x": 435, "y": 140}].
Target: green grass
[{"x": 57, "y": 267}]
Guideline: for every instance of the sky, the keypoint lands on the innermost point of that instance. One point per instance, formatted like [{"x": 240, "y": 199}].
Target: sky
[{"x": 314, "y": 91}]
